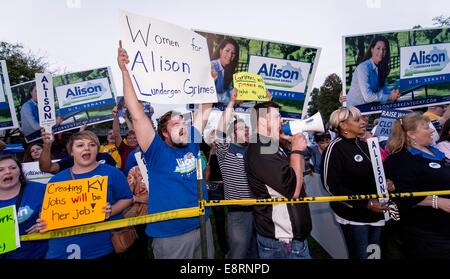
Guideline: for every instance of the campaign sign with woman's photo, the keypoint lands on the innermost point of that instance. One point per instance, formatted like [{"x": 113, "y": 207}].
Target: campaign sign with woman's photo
[
  {"x": 401, "y": 69},
  {"x": 80, "y": 97},
  {"x": 8, "y": 119},
  {"x": 288, "y": 70}
]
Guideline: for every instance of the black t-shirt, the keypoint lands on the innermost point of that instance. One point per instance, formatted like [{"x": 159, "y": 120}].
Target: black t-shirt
[{"x": 102, "y": 158}]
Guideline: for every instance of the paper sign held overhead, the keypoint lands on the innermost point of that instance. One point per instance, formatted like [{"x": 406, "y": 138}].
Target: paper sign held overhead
[
  {"x": 168, "y": 64},
  {"x": 250, "y": 87},
  {"x": 74, "y": 202}
]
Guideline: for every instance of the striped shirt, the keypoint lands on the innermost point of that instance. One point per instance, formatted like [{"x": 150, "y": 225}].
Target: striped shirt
[{"x": 232, "y": 167}]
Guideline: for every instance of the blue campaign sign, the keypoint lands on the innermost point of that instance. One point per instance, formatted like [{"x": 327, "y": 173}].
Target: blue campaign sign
[
  {"x": 388, "y": 118},
  {"x": 424, "y": 64},
  {"x": 414, "y": 70},
  {"x": 85, "y": 97}
]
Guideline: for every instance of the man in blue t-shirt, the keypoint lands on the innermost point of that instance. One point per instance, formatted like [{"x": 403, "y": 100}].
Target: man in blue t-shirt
[{"x": 171, "y": 162}]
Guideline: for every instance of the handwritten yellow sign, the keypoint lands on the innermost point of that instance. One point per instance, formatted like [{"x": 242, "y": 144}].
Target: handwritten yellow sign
[
  {"x": 74, "y": 202},
  {"x": 250, "y": 87}
]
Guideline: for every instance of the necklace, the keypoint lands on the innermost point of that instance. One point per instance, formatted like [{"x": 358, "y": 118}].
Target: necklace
[{"x": 365, "y": 154}]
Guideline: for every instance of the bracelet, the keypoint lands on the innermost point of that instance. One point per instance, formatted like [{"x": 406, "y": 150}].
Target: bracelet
[
  {"x": 301, "y": 152},
  {"x": 434, "y": 202}
]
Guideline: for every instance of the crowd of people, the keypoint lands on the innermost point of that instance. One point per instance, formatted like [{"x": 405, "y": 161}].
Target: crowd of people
[{"x": 240, "y": 163}]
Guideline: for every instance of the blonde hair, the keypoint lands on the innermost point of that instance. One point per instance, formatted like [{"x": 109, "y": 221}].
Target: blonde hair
[
  {"x": 342, "y": 114},
  {"x": 80, "y": 136},
  {"x": 399, "y": 136}
]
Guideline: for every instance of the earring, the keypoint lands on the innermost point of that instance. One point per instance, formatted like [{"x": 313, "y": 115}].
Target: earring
[{"x": 414, "y": 142}]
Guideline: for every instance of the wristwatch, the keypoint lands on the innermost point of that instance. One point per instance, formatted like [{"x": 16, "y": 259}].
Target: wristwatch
[{"x": 301, "y": 152}]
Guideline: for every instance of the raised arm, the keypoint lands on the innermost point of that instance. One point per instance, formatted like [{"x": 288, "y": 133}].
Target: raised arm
[
  {"x": 142, "y": 126},
  {"x": 224, "y": 120},
  {"x": 116, "y": 127},
  {"x": 45, "y": 161},
  {"x": 201, "y": 116}
]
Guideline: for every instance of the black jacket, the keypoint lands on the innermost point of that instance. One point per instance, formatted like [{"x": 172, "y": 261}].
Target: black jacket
[
  {"x": 271, "y": 176},
  {"x": 414, "y": 173},
  {"x": 347, "y": 170}
]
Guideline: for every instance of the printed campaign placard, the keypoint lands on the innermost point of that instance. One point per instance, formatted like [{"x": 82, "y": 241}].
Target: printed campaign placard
[
  {"x": 424, "y": 64},
  {"x": 9, "y": 228},
  {"x": 32, "y": 172},
  {"x": 281, "y": 74},
  {"x": 8, "y": 118},
  {"x": 388, "y": 118},
  {"x": 74, "y": 202},
  {"x": 250, "y": 87},
  {"x": 168, "y": 64},
  {"x": 79, "y": 98},
  {"x": 397, "y": 69},
  {"x": 288, "y": 70},
  {"x": 45, "y": 101}
]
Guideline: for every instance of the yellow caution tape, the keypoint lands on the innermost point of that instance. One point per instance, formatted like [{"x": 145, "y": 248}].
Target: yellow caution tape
[
  {"x": 109, "y": 225},
  {"x": 200, "y": 210},
  {"x": 323, "y": 199}
]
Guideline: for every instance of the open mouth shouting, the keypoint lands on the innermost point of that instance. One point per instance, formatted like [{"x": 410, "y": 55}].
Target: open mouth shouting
[{"x": 8, "y": 179}]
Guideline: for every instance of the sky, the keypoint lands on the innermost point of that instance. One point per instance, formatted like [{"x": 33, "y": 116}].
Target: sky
[{"x": 79, "y": 35}]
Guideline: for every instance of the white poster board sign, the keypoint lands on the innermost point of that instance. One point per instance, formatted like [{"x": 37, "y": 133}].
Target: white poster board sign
[{"x": 168, "y": 64}]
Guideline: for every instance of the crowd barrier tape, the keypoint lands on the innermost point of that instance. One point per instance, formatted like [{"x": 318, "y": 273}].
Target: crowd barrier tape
[{"x": 197, "y": 211}]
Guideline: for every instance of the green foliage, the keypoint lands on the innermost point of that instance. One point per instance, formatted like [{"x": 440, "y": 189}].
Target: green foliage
[
  {"x": 328, "y": 97},
  {"x": 313, "y": 103},
  {"x": 21, "y": 65}
]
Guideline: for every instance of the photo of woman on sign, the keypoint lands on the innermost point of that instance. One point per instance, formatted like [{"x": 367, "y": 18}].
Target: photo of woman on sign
[
  {"x": 369, "y": 79},
  {"x": 223, "y": 66}
]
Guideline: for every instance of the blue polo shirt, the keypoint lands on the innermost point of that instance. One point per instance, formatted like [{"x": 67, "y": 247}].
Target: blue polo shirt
[{"x": 173, "y": 184}]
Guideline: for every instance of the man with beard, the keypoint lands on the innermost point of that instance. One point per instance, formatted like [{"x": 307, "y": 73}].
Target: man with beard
[{"x": 171, "y": 156}]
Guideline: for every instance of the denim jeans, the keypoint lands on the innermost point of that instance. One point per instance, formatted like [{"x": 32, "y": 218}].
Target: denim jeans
[
  {"x": 274, "y": 249},
  {"x": 358, "y": 238},
  {"x": 241, "y": 235}
]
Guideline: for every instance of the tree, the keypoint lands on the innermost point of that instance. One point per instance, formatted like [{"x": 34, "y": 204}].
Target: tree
[
  {"x": 21, "y": 65},
  {"x": 441, "y": 20},
  {"x": 328, "y": 98},
  {"x": 313, "y": 103}
]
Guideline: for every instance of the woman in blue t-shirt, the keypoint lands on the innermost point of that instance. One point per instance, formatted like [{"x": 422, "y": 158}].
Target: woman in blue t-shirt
[
  {"x": 83, "y": 147},
  {"x": 28, "y": 197}
]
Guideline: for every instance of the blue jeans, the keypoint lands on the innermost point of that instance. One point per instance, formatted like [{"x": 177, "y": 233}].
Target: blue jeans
[
  {"x": 358, "y": 238},
  {"x": 241, "y": 235},
  {"x": 273, "y": 249}
]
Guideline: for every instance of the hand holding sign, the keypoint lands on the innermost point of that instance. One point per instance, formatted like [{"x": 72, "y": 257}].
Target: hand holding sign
[
  {"x": 46, "y": 101},
  {"x": 122, "y": 57},
  {"x": 75, "y": 202},
  {"x": 250, "y": 87}
]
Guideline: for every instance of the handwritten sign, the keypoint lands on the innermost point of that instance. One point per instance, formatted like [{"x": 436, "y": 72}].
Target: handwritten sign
[
  {"x": 45, "y": 101},
  {"x": 9, "y": 238},
  {"x": 168, "y": 64},
  {"x": 74, "y": 202},
  {"x": 250, "y": 87}
]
